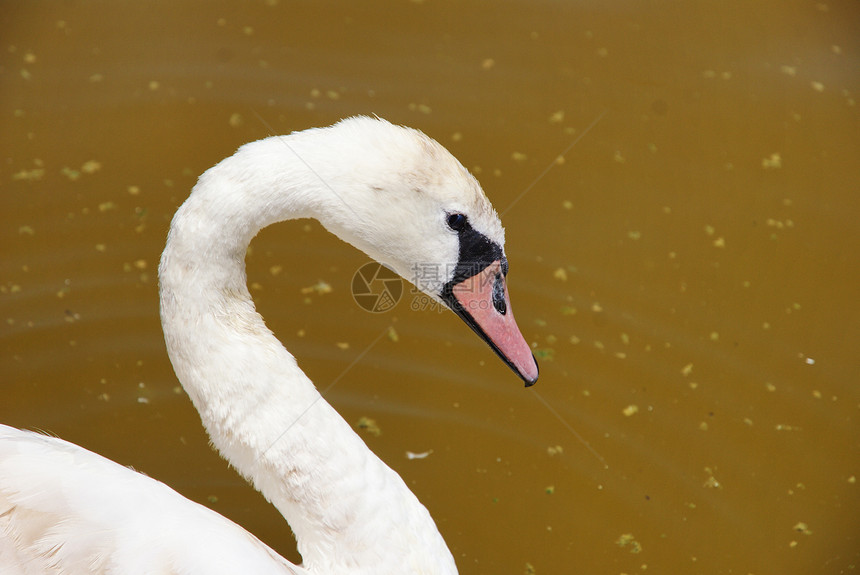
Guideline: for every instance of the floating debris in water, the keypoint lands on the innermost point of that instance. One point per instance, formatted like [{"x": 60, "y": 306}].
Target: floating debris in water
[
  {"x": 711, "y": 482},
  {"x": 629, "y": 542},
  {"x": 321, "y": 287},
  {"x": 772, "y": 162},
  {"x": 802, "y": 527},
  {"x": 423, "y": 455},
  {"x": 369, "y": 425}
]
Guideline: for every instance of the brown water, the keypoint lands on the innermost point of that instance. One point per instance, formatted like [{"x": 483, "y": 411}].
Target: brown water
[{"x": 688, "y": 274}]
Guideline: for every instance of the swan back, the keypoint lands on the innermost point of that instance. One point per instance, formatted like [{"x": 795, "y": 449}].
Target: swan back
[{"x": 64, "y": 509}]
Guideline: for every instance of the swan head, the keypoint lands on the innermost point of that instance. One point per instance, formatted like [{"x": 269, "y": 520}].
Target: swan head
[{"x": 404, "y": 200}]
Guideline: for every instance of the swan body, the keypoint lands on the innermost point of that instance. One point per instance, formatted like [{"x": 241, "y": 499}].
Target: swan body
[{"x": 390, "y": 191}]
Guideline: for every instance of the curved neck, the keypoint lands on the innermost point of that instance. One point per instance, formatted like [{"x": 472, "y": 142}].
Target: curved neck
[{"x": 349, "y": 511}]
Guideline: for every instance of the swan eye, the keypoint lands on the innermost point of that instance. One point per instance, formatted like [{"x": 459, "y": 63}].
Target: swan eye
[{"x": 457, "y": 222}]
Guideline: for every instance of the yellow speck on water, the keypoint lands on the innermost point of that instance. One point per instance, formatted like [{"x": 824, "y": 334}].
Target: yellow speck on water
[
  {"x": 321, "y": 287},
  {"x": 107, "y": 206},
  {"x": 91, "y": 167},
  {"x": 276, "y": 270},
  {"x": 772, "y": 162},
  {"x": 31, "y": 175},
  {"x": 709, "y": 230},
  {"x": 342, "y": 345},
  {"x": 236, "y": 120},
  {"x": 557, "y": 117},
  {"x": 714, "y": 336},
  {"x": 817, "y": 86},
  {"x": 720, "y": 242},
  {"x": 422, "y": 108},
  {"x": 73, "y": 175},
  {"x": 369, "y": 425},
  {"x": 518, "y": 157},
  {"x": 630, "y": 410},
  {"x": 549, "y": 489},
  {"x": 703, "y": 426},
  {"x": 802, "y": 527},
  {"x": 26, "y": 231},
  {"x": 567, "y": 204},
  {"x": 629, "y": 542},
  {"x": 530, "y": 570},
  {"x": 596, "y": 307},
  {"x": 154, "y": 85},
  {"x": 101, "y": 248},
  {"x": 487, "y": 63},
  {"x": 634, "y": 234},
  {"x": 248, "y": 30},
  {"x": 554, "y": 450},
  {"x": 560, "y": 274},
  {"x": 392, "y": 334},
  {"x": 687, "y": 370},
  {"x": 788, "y": 70},
  {"x": 711, "y": 482}
]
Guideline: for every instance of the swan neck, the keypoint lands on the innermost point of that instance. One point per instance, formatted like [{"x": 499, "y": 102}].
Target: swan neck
[{"x": 345, "y": 506}]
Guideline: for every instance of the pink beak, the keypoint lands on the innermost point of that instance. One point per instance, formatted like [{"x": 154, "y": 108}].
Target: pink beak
[{"x": 482, "y": 301}]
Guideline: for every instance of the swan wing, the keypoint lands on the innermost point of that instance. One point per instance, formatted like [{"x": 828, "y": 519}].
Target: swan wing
[{"x": 66, "y": 510}]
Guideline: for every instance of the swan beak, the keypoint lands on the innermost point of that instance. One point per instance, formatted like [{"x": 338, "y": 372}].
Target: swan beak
[{"x": 482, "y": 301}]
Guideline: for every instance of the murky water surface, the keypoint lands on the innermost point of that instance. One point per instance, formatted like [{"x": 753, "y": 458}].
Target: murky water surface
[{"x": 688, "y": 271}]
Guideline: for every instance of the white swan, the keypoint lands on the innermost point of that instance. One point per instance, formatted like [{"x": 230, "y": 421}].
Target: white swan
[{"x": 393, "y": 193}]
